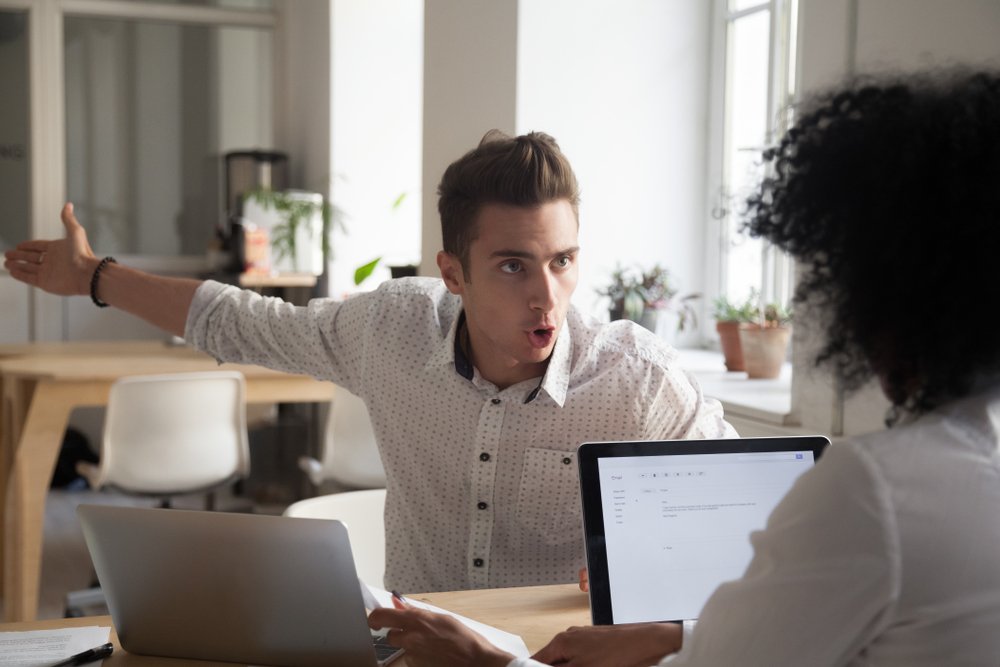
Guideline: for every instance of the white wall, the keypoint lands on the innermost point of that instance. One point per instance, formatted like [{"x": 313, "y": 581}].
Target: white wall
[
  {"x": 377, "y": 126},
  {"x": 623, "y": 87}
]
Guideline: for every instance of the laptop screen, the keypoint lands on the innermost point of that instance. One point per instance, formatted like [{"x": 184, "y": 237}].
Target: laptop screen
[{"x": 676, "y": 526}]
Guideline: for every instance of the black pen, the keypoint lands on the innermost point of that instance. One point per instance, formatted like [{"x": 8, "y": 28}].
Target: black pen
[{"x": 89, "y": 655}]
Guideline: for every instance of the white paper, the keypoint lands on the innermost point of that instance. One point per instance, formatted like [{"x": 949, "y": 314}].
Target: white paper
[
  {"x": 371, "y": 604},
  {"x": 37, "y": 648},
  {"x": 504, "y": 641}
]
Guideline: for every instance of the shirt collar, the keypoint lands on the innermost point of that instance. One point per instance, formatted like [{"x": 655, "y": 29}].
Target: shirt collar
[
  {"x": 462, "y": 365},
  {"x": 445, "y": 354},
  {"x": 555, "y": 382}
]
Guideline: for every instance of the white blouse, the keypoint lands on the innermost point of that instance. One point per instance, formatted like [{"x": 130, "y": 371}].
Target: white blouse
[{"x": 887, "y": 553}]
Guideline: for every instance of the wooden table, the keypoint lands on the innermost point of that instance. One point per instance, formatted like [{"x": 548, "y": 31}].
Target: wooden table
[
  {"x": 39, "y": 393},
  {"x": 536, "y": 614}
]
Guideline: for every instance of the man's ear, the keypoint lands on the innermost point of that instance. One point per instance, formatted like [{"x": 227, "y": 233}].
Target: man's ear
[{"x": 451, "y": 271}]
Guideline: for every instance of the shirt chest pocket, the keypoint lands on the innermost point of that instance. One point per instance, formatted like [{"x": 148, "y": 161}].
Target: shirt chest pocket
[{"x": 548, "y": 502}]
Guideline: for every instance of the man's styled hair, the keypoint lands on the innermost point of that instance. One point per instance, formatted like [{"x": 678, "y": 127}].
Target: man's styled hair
[{"x": 525, "y": 171}]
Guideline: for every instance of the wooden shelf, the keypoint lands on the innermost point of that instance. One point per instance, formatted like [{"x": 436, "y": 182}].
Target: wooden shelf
[{"x": 279, "y": 280}]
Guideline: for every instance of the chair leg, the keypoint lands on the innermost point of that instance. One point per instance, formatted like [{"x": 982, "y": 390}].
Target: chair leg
[
  {"x": 210, "y": 501},
  {"x": 165, "y": 504}
]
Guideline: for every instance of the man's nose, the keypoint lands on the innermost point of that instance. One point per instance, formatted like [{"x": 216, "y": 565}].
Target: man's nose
[{"x": 543, "y": 292}]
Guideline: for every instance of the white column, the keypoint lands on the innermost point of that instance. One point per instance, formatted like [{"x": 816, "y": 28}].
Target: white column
[
  {"x": 470, "y": 87},
  {"x": 303, "y": 123}
]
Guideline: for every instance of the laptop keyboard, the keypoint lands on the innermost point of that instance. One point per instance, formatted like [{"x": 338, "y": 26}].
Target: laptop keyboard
[{"x": 382, "y": 649}]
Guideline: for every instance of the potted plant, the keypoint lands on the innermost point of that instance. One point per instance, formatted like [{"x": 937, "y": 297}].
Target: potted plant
[
  {"x": 728, "y": 317},
  {"x": 765, "y": 342},
  {"x": 300, "y": 226},
  {"x": 640, "y": 298}
]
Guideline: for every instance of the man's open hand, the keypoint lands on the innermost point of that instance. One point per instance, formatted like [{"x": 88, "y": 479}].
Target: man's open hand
[
  {"x": 436, "y": 640},
  {"x": 632, "y": 645},
  {"x": 60, "y": 267}
]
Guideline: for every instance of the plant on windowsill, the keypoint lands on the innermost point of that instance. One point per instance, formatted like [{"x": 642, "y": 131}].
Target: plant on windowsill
[
  {"x": 728, "y": 317},
  {"x": 765, "y": 342},
  {"x": 641, "y": 298}
]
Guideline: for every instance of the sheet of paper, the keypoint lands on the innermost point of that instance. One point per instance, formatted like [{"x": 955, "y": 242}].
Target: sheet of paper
[
  {"x": 371, "y": 604},
  {"x": 37, "y": 648},
  {"x": 504, "y": 641}
]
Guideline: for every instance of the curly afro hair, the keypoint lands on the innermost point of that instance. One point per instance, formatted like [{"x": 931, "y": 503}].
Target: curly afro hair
[{"x": 889, "y": 192}]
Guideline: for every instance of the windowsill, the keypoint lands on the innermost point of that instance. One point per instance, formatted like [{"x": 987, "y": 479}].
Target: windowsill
[{"x": 763, "y": 400}]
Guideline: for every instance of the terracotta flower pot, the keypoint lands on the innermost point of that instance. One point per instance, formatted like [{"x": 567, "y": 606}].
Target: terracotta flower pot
[
  {"x": 764, "y": 349},
  {"x": 729, "y": 336}
]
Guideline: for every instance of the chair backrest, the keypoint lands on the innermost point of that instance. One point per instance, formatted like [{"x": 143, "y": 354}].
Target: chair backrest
[
  {"x": 350, "y": 453},
  {"x": 364, "y": 514},
  {"x": 177, "y": 433}
]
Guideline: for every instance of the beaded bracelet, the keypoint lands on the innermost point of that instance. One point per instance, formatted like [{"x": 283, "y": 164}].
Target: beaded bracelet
[{"x": 93, "y": 282}]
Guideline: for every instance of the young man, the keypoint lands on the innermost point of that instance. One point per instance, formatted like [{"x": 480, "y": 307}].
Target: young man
[{"x": 480, "y": 387}]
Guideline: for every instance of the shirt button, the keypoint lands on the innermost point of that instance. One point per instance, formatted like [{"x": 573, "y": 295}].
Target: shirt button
[
  {"x": 484, "y": 457},
  {"x": 496, "y": 401},
  {"x": 482, "y": 506},
  {"x": 478, "y": 562},
  {"x": 567, "y": 460}
]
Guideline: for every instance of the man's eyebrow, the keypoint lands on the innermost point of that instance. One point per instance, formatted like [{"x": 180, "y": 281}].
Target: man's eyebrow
[{"x": 521, "y": 254}]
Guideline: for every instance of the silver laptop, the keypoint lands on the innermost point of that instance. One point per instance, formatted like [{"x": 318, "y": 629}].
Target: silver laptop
[{"x": 262, "y": 590}]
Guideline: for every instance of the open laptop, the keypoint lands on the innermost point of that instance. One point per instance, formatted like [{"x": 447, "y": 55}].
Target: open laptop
[
  {"x": 261, "y": 590},
  {"x": 666, "y": 522}
]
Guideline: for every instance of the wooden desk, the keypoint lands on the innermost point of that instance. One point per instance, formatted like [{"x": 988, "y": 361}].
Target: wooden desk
[
  {"x": 39, "y": 393},
  {"x": 536, "y": 614}
]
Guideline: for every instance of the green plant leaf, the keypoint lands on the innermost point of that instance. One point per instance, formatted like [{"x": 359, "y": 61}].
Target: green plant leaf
[
  {"x": 399, "y": 201},
  {"x": 364, "y": 271},
  {"x": 634, "y": 304}
]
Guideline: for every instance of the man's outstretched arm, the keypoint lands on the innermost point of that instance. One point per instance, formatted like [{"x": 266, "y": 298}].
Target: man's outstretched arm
[{"x": 66, "y": 267}]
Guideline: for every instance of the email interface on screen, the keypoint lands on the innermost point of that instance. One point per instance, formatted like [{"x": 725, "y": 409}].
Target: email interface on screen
[{"x": 678, "y": 526}]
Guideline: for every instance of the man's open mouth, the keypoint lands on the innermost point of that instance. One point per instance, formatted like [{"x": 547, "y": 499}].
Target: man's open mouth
[{"x": 542, "y": 337}]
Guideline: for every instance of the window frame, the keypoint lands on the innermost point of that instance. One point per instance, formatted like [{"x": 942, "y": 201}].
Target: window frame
[{"x": 777, "y": 269}]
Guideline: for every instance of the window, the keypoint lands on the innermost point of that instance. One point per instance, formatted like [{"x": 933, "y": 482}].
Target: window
[{"x": 753, "y": 84}]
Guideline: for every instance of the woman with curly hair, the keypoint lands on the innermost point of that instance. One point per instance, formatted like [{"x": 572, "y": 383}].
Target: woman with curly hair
[{"x": 887, "y": 552}]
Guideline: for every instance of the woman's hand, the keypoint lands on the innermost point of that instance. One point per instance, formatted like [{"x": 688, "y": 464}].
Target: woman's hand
[
  {"x": 62, "y": 267},
  {"x": 435, "y": 640},
  {"x": 583, "y": 580},
  {"x": 632, "y": 645}
]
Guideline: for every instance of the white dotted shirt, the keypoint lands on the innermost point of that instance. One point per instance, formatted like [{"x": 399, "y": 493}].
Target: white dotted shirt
[{"x": 482, "y": 483}]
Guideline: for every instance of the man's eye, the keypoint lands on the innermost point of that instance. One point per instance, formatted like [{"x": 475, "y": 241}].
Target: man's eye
[
  {"x": 510, "y": 267},
  {"x": 563, "y": 262}
]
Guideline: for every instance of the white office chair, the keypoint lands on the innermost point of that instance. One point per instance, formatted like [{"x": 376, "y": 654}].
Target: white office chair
[
  {"x": 167, "y": 435},
  {"x": 350, "y": 455},
  {"x": 364, "y": 514}
]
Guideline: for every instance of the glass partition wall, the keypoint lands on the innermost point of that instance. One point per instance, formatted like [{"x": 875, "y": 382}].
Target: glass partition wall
[{"x": 150, "y": 109}]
